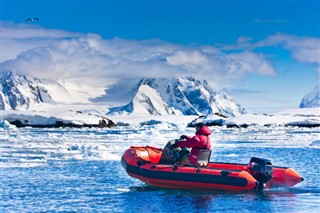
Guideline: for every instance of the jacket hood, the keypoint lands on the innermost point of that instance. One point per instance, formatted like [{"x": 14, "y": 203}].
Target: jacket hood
[{"x": 204, "y": 131}]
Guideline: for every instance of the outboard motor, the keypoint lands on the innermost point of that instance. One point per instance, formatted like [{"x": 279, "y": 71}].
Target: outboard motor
[
  {"x": 261, "y": 170},
  {"x": 172, "y": 154}
]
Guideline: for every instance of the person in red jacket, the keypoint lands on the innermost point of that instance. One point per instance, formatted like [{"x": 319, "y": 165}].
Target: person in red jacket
[{"x": 200, "y": 141}]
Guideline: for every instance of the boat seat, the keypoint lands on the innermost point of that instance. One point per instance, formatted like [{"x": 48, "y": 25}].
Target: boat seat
[{"x": 203, "y": 158}]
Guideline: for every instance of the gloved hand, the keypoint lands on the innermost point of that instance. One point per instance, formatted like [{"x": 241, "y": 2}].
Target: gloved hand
[{"x": 183, "y": 137}]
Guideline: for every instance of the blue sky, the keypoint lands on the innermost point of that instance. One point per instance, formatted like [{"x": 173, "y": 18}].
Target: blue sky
[
  {"x": 203, "y": 22},
  {"x": 281, "y": 36}
]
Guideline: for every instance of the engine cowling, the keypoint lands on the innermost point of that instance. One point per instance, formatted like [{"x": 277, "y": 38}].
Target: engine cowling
[{"x": 261, "y": 169}]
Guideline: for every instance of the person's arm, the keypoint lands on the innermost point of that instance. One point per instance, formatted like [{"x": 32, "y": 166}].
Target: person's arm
[{"x": 190, "y": 142}]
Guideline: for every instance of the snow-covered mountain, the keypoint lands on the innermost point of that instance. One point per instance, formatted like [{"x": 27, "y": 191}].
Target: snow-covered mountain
[
  {"x": 146, "y": 101},
  {"x": 27, "y": 101},
  {"x": 17, "y": 92},
  {"x": 187, "y": 96},
  {"x": 311, "y": 99}
]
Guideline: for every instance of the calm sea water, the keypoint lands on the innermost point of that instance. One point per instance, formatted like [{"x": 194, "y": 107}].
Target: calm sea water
[{"x": 74, "y": 185}]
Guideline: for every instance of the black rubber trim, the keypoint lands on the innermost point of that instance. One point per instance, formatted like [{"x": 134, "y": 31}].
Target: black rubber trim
[{"x": 187, "y": 177}]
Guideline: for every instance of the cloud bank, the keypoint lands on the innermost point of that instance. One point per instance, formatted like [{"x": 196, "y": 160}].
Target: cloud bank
[
  {"x": 303, "y": 49},
  {"x": 95, "y": 61}
]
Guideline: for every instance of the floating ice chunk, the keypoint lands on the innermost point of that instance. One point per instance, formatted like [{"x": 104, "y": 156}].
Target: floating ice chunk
[
  {"x": 315, "y": 143},
  {"x": 73, "y": 147},
  {"x": 123, "y": 189},
  {"x": 111, "y": 156},
  {"x": 4, "y": 124},
  {"x": 231, "y": 155}
]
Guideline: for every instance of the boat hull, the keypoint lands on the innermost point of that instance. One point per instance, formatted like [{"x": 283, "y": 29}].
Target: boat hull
[{"x": 143, "y": 163}]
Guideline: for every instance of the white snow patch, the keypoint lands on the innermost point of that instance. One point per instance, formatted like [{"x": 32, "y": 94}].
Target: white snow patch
[{"x": 304, "y": 116}]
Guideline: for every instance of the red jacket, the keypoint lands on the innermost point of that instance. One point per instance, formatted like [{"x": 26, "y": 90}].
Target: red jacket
[{"x": 200, "y": 141}]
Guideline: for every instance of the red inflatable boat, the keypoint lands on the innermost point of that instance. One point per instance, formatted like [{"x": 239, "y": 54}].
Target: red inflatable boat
[{"x": 157, "y": 167}]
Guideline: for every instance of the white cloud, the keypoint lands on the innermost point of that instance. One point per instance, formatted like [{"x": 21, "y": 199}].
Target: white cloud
[
  {"x": 16, "y": 38},
  {"x": 88, "y": 58},
  {"x": 303, "y": 49},
  {"x": 185, "y": 57},
  {"x": 252, "y": 62},
  {"x": 270, "y": 21}
]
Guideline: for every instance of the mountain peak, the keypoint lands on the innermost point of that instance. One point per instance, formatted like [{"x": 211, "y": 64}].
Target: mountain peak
[
  {"x": 186, "y": 96},
  {"x": 311, "y": 99},
  {"x": 146, "y": 100},
  {"x": 18, "y": 92}
]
